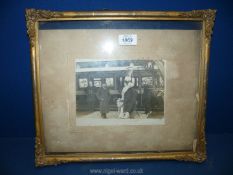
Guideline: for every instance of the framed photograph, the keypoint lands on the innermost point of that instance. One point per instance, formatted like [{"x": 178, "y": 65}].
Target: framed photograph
[{"x": 119, "y": 85}]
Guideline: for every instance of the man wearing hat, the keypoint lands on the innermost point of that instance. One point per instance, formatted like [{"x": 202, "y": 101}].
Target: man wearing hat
[{"x": 103, "y": 96}]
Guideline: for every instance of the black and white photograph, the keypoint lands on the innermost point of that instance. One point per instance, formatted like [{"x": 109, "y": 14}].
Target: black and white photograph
[{"x": 131, "y": 89}]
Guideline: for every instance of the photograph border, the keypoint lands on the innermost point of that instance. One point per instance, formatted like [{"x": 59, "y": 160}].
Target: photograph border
[
  {"x": 161, "y": 110},
  {"x": 206, "y": 17}
]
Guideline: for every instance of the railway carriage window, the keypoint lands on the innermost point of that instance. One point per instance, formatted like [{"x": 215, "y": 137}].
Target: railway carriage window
[
  {"x": 109, "y": 82},
  {"x": 97, "y": 82},
  {"x": 83, "y": 83},
  {"x": 147, "y": 81}
]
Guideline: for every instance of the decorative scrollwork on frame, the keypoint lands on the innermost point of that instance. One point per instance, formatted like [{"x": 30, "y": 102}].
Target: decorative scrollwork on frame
[
  {"x": 207, "y": 15},
  {"x": 196, "y": 157},
  {"x": 39, "y": 152},
  {"x": 32, "y": 16},
  {"x": 202, "y": 138},
  {"x": 40, "y": 157}
]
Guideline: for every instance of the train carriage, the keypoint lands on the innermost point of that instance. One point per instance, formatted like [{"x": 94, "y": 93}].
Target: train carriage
[{"x": 144, "y": 74}]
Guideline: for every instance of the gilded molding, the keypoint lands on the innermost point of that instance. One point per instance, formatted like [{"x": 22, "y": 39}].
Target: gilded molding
[
  {"x": 33, "y": 16},
  {"x": 208, "y": 17},
  {"x": 40, "y": 157},
  {"x": 39, "y": 153},
  {"x": 196, "y": 157}
]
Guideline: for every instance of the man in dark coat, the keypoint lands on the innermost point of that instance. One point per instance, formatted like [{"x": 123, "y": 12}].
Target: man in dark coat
[{"x": 103, "y": 96}]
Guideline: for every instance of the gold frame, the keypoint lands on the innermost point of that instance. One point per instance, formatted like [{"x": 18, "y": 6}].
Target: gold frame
[{"x": 33, "y": 17}]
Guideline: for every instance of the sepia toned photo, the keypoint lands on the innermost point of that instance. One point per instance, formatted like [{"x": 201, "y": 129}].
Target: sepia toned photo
[{"x": 119, "y": 89}]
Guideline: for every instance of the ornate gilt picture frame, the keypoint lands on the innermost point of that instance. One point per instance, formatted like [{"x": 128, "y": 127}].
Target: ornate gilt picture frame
[{"x": 161, "y": 53}]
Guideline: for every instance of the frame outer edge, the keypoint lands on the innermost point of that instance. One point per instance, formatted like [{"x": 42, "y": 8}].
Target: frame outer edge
[
  {"x": 33, "y": 16},
  {"x": 208, "y": 24}
]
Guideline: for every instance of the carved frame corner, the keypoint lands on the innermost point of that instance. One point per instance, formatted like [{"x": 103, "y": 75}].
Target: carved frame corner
[
  {"x": 207, "y": 16},
  {"x": 41, "y": 159},
  {"x": 39, "y": 153},
  {"x": 33, "y": 16}
]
